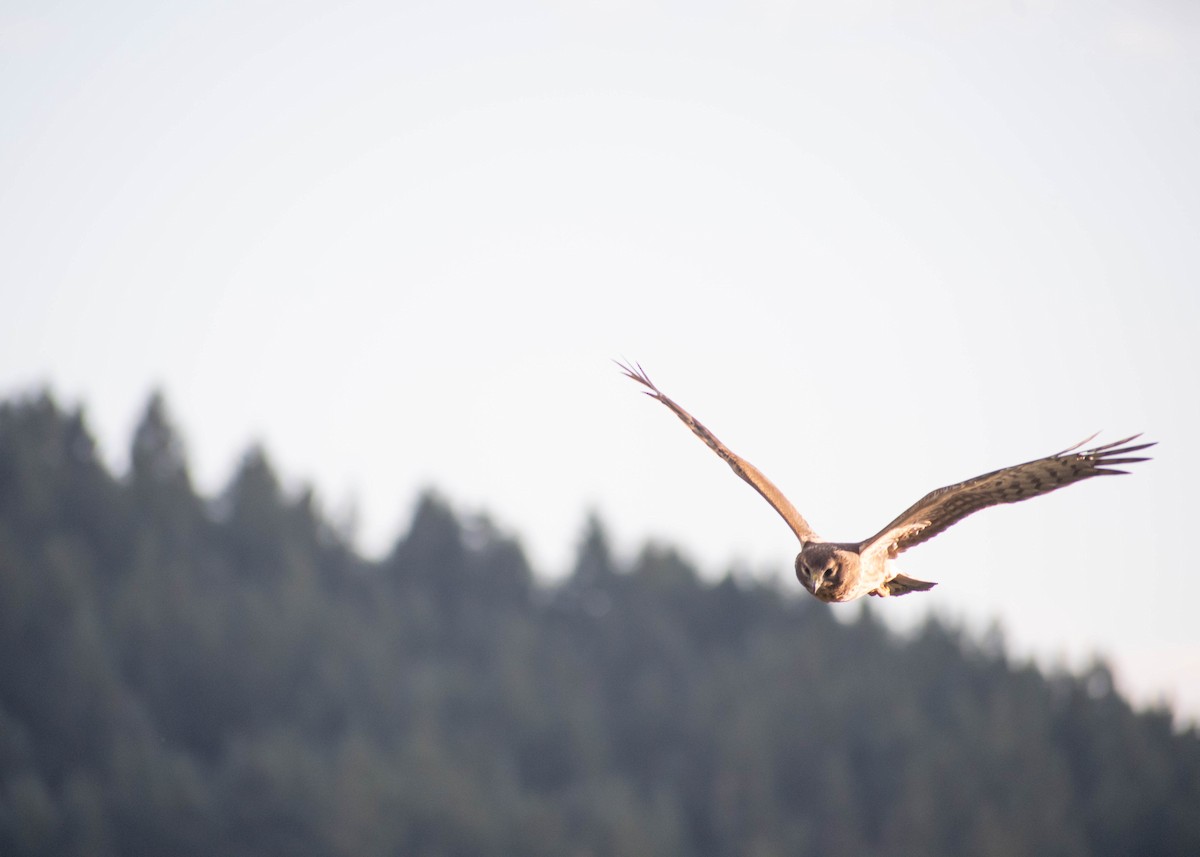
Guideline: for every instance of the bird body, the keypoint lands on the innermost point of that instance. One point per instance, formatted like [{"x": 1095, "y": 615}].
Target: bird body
[{"x": 844, "y": 571}]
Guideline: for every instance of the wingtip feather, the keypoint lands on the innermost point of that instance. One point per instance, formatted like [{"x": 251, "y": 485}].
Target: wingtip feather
[
  {"x": 1102, "y": 452},
  {"x": 1116, "y": 443},
  {"x": 635, "y": 372},
  {"x": 1137, "y": 448},
  {"x": 1087, "y": 439}
]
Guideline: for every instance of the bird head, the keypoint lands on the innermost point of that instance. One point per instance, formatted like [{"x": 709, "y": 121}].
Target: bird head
[{"x": 829, "y": 571}]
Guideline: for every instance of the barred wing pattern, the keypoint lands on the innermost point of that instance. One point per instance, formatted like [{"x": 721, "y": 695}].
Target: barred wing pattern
[
  {"x": 740, "y": 466},
  {"x": 940, "y": 509}
]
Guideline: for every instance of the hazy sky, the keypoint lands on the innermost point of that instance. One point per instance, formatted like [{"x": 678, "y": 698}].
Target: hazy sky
[{"x": 877, "y": 247}]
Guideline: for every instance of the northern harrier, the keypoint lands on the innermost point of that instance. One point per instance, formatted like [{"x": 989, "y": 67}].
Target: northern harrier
[{"x": 843, "y": 571}]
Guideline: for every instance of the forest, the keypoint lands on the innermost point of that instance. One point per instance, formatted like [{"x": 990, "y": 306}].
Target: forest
[{"x": 192, "y": 675}]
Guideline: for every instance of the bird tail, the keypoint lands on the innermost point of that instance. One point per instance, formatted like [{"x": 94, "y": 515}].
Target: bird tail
[{"x": 902, "y": 584}]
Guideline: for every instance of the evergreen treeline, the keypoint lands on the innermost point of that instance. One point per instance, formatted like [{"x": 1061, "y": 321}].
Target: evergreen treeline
[{"x": 192, "y": 676}]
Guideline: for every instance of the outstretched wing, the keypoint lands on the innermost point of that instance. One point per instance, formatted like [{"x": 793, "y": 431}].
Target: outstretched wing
[
  {"x": 740, "y": 466},
  {"x": 944, "y": 507}
]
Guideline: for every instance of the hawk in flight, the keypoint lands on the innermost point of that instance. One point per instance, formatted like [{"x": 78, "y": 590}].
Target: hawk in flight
[{"x": 843, "y": 571}]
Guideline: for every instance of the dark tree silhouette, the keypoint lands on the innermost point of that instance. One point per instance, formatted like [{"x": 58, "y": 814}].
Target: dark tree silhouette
[{"x": 185, "y": 675}]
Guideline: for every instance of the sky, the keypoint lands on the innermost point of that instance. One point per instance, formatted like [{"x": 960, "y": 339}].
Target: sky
[{"x": 877, "y": 247}]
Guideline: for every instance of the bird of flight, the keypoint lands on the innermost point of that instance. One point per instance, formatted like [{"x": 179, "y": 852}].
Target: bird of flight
[{"x": 844, "y": 571}]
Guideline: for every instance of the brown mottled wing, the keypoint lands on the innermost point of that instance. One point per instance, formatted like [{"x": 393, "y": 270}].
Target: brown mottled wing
[
  {"x": 740, "y": 466},
  {"x": 944, "y": 507}
]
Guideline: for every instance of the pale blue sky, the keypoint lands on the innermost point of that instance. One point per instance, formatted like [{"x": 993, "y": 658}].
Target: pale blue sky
[{"x": 877, "y": 247}]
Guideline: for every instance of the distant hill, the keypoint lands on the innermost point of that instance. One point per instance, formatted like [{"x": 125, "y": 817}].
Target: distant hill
[{"x": 189, "y": 675}]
